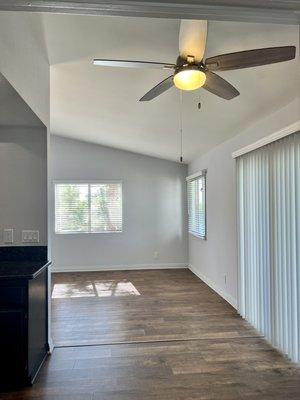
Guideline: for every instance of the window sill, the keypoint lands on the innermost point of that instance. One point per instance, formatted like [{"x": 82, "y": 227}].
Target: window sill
[
  {"x": 198, "y": 236},
  {"x": 85, "y": 233}
]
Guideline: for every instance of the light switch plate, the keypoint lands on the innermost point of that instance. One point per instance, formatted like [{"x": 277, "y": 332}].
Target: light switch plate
[
  {"x": 8, "y": 235},
  {"x": 29, "y": 236}
]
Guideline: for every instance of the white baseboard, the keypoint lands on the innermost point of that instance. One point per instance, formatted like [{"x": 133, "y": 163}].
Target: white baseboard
[
  {"x": 51, "y": 345},
  {"x": 231, "y": 300},
  {"x": 91, "y": 268}
]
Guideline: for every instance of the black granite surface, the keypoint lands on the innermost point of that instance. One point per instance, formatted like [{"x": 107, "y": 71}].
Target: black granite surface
[
  {"x": 22, "y": 261},
  {"x": 21, "y": 269},
  {"x": 23, "y": 253}
]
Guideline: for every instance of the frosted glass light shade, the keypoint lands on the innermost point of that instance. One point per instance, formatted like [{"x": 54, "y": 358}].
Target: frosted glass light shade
[{"x": 189, "y": 79}]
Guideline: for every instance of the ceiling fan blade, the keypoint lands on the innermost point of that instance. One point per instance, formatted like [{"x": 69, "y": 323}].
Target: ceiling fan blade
[
  {"x": 132, "y": 64},
  {"x": 192, "y": 39},
  {"x": 218, "y": 86},
  {"x": 158, "y": 89},
  {"x": 250, "y": 58}
]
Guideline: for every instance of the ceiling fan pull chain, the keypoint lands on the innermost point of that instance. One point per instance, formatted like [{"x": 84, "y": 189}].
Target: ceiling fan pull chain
[{"x": 181, "y": 131}]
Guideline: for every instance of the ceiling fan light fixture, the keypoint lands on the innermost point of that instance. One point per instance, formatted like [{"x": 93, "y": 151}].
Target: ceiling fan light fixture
[{"x": 189, "y": 78}]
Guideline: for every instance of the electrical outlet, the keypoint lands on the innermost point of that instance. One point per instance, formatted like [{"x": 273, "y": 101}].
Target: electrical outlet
[
  {"x": 225, "y": 279},
  {"x": 30, "y": 236},
  {"x": 8, "y": 235},
  {"x": 155, "y": 255}
]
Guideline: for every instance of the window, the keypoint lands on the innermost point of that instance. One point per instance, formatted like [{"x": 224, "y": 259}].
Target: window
[
  {"x": 88, "y": 207},
  {"x": 196, "y": 188}
]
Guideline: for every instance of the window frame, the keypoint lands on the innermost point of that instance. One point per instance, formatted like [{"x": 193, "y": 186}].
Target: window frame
[
  {"x": 201, "y": 174},
  {"x": 87, "y": 182}
]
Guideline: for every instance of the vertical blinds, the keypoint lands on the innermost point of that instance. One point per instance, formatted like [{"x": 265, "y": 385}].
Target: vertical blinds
[
  {"x": 196, "y": 189},
  {"x": 95, "y": 207},
  {"x": 269, "y": 242}
]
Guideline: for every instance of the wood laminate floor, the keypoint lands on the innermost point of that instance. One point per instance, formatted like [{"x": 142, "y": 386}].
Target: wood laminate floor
[
  {"x": 139, "y": 306},
  {"x": 184, "y": 343}
]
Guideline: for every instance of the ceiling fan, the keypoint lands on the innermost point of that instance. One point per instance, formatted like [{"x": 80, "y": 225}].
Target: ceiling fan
[{"x": 191, "y": 71}]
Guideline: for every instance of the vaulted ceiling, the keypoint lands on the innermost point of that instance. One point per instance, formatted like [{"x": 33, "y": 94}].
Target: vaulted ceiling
[{"x": 100, "y": 105}]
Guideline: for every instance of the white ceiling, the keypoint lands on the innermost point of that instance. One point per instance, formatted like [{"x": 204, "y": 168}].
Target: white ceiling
[{"x": 100, "y": 105}]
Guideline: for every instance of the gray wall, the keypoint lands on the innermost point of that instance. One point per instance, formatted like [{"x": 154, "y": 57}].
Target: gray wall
[
  {"x": 24, "y": 59},
  {"x": 216, "y": 258},
  {"x": 23, "y": 181},
  {"x": 154, "y": 209}
]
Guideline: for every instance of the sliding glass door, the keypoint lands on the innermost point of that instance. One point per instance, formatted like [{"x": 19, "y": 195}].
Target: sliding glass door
[{"x": 269, "y": 242}]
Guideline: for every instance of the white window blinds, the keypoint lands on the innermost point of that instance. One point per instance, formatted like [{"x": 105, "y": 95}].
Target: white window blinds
[
  {"x": 88, "y": 207},
  {"x": 269, "y": 242},
  {"x": 196, "y": 189}
]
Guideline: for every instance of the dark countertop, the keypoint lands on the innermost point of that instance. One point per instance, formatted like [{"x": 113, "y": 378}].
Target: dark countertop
[{"x": 21, "y": 269}]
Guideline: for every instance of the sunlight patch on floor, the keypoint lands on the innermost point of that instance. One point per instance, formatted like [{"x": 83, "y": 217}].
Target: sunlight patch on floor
[{"x": 94, "y": 289}]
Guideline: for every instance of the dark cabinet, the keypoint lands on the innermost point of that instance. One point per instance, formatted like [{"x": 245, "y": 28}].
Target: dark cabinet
[
  {"x": 23, "y": 327},
  {"x": 12, "y": 345}
]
